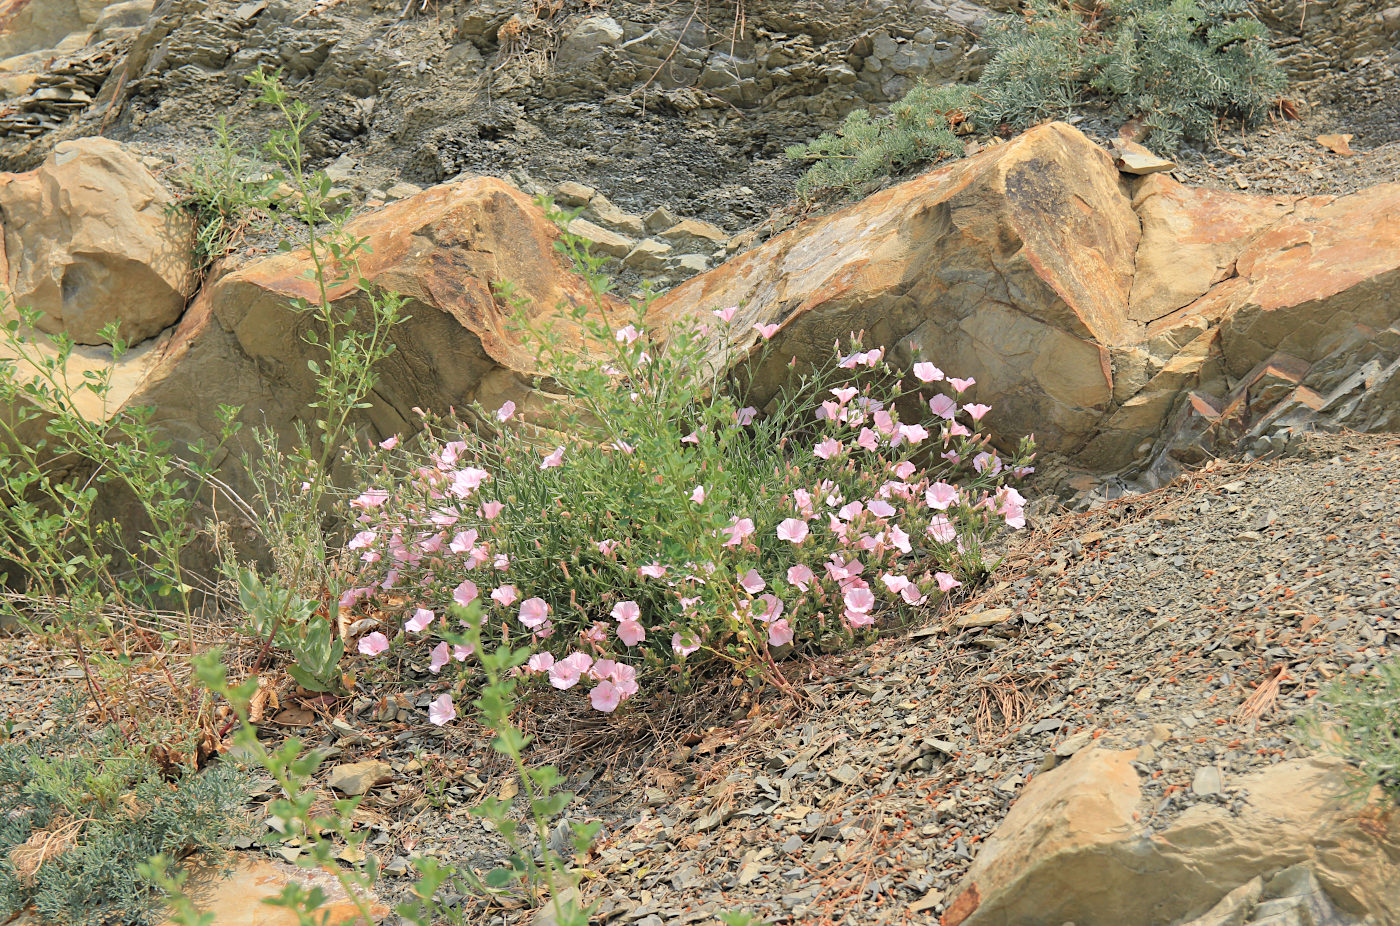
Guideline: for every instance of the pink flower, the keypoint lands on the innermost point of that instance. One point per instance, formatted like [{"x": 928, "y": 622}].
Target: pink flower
[
  {"x": 441, "y": 710},
  {"x": 827, "y": 448},
  {"x": 976, "y": 411},
  {"x": 779, "y": 632},
  {"x": 598, "y": 633},
  {"x": 567, "y": 671},
  {"x": 626, "y": 611},
  {"x": 692, "y": 438},
  {"x": 420, "y": 620},
  {"x": 505, "y": 595},
  {"x": 726, "y": 315},
  {"x": 625, "y": 678},
  {"x": 911, "y": 594},
  {"x": 373, "y": 644},
  {"x": 684, "y": 645},
  {"x": 801, "y": 576},
  {"x": 940, "y": 495},
  {"x": 490, "y": 510},
  {"x": 895, "y": 583},
  {"x": 370, "y": 498},
  {"x": 1011, "y": 506},
  {"x": 772, "y": 607},
  {"x": 501, "y": 562},
  {"x": 942, "y": 530},
  {"x": 792, "y": 530},
  {"x": 881, "y": 508},
  {"x": 913, "y": 433},
  {"x": 605, "y": 697},
  {"x": 943, "y": 407},
  {"x": 463, "y": 542},
  {"x": 985, "y": 461},
  {"x": 960, "y": 385},
  {"x": 606, "y": 547},
  {"x": 868, "y": 440},
  {"x": 533, "y": 612},
  {"x": 653, "y": 570},
  {"x": 739, "y": 530},
  {"x": 460, "y": 652},
  {"x": 884, "y": 422},
  {"x": 631, "y": 632},
  {"x": 845, "y": 393},
  {"x": 766, "y": 331},
  {"x": 554, "y": 459},
  {"x": 540, "y": 662},
  {"x": 441, "y": 657},
  {"x": 958, "y": 430},
  {"x": 860, "y": 600},
  {"x": 830, "y": 411},
  {"x": 627, "y": 335},
  {"x": 697, "y": 494},
  {"x": 850, "y": 511},
  {"x": 744, "y": 416},
  {"x": 362, "y": 540},
  {"x": 504, "y": 413},
  {"x": 946, "y": 583},
  {"x": 465, "y": 593},
  {"x": 899, "y": 539},
  {"x": 927, "y": 373},
  {"x": 752, "y": 582},
  {"x": 389, "y": 443},
  {"x": 859, "y": 619}
]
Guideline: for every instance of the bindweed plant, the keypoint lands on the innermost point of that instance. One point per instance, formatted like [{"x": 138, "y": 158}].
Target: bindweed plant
[
  {"x": 656, "y": 521},
  {"x": 1367, "y": 710}
]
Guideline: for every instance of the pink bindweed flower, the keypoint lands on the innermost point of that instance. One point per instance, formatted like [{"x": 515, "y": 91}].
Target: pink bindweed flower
[
  {"x": 465, "y": 593},
  {"x": 845, "y": 394},
  {"x": 684, "y": 645},
  {"x": 631, "y": 632},
  {"x": 828, "y": 448},
  {"x": 803, "y": 499},
  {"x": 1012, "y": 507},
  {"x": 940, "y": 495},
  {"x": 540, "y": 662},
  {"x": 858, "y": 599},
  {"x": 899, "y": 539},
  {"x": 653, "y": 570},
  {"x": 913, "y": 433},
  {"x": 692, "y": 438},
  {"x": 566, "y": 672},
  {"x": 780, "y": 632},
  {"x": 830, "y": 411},
  {"x": 389, "y": 443},
  {"x": 373, "y": 644},
  {"x": 738, "y": 530},
  {"x": 858, "y": 619},
  {"x": 745, "y": 416},
  {"x": 697, "y": 494},
  {"x": 626, "y": 611},
  {"x": 956, "y": 430},
  {"x": 533, "y": 612},
  {"x": 752, "y": 582},
  {"x": 554, "y": 459},
  {"x": 441, "y": 657},
  {"x": 766, "y": 331},
  {"x": 491, "y": 510},
  {"x": 868, "y": 440},
  {"x": 884, "y": 423},
  {"x": 881, "y": 508},
  {"x": 946, "y": 583},
  {"x": 961, "y": 385},
  {"x": 911, "y": 594},
  {"x": 598, "y": 633},
  {"x": 850, "y": 511},
  {"x": 801, "y": 576},
  {"x": 422, "y": 617},
  {"x": 607, "y": 547},
  {"x": 977, "y": 411},
  {"x": 627, "y": 335},
  {"x": 501, "y": 562},
  {"x": 370, "y": 498},
  {"x": 792, "y": 530},
  {"x": 442, "y": 710},
  {"x": 943, "y": 407},
  {"x": 605, "y": 697},
  {"x": 362, "y": 540},
  {"x": 505, "y": 412},
  {"x": 985, "y": 461},
  {"x": 460, "y": 652},
  {"x": 895, "y": 583},
  {"x": 942, "y": 530},
  {"x": 463, "y": 542},
  {"x": 928, "y": 373},
  {"x": 772, "y": 607},
  {"x": 505, "y": 596},
  {"x": 725, "y": 315}
]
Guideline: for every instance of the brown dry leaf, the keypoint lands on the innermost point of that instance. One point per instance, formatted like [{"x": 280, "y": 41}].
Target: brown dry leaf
[
  {"x": 1337, "y": 144},
  {"x": 42, "y": 845}
]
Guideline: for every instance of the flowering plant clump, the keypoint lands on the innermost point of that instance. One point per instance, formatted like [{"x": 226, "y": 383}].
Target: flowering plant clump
[{"x": 666, "y": 522}]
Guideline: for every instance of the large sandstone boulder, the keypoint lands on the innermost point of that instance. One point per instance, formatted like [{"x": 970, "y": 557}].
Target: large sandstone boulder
[
  {"x": 1073, "y": 849},
  {"x": 1127, "y": 322},
  {"x": 93, "y": 238}
]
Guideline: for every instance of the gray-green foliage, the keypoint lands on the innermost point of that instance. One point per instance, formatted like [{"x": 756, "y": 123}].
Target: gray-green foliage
[
  {"x": 866, "y": 148},
  {"x": 1366, "y": 711},
  {"x": 119, "y": 806},
  {"x": 221, "y": 189},
  {"x": 1180, "y": 65}
]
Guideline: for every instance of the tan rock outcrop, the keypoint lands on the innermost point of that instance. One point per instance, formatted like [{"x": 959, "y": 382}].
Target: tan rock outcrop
[
  {"x": 1072, "y": 850},
  {"x": 93, "y": 238}
]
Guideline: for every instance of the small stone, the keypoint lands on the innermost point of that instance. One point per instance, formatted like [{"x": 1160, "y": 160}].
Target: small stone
[
  {"x": 988, "y": 618},
  {"x": 359, "y": 777},
  {"x": 660, "y": 219},
  {"x": 1132, "y": 158},
  {"x": 649, "y": 254},
  {"x": 693, "y": 231},
  {"x": 608, "y": 242},
  {"x": 570, "y": 193},
  {"x": 402, "y": 190},
  {"x": 1208, "y": 781},
  {"x": 1074, "y": 743}
]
